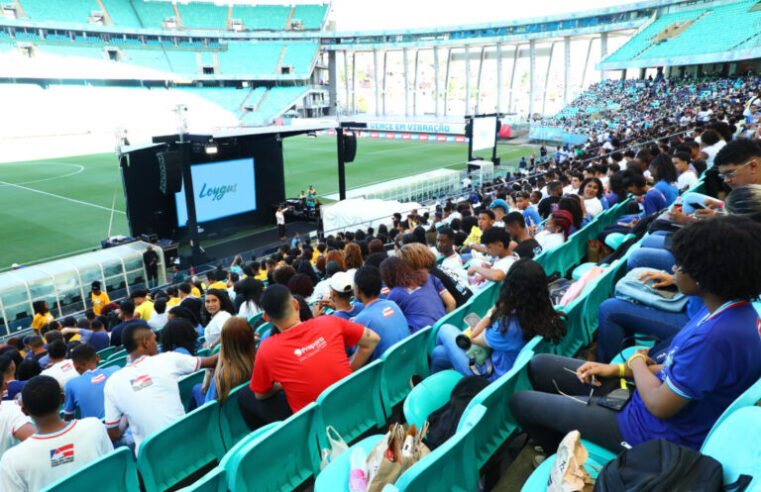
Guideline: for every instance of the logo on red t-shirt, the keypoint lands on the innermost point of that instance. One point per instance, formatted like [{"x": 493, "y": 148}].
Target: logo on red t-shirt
[
  {"x": 308, "y": 351},
  {"x": 62, "y": 455}
]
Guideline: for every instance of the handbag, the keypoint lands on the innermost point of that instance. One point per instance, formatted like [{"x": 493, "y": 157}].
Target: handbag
[
  {"x": 568, "y": 473},
  {"x": 399, "y": 449},
  {"x": 631, "y": 288},
  {"x": 337, "y": 446}
]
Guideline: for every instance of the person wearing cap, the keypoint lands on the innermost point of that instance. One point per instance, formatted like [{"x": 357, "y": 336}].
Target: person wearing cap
[
  {"x": 98, "y": 297},
  {"x": 500, "y": 208},
  {"x": 341, "y": 290},
  {"x": 143, "y": 305}
]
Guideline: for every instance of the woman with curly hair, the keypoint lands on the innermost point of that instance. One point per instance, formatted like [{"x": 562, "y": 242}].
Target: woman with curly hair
[
  {"x": 422, "y": 298},
  {"x": 523, "y": 310},
  {"x": 592, "y": 194},
  {"x": 352, "y": 257},
  {"x": 710, "y": 362},
  {"x": 179, "y": 335}
]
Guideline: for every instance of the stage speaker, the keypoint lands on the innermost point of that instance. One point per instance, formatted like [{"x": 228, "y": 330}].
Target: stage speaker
[
  {"x": 350, "y": 147},
  {"x": 170, "y": 176}
]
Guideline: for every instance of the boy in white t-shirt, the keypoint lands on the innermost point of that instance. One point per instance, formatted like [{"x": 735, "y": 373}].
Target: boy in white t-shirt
[
  {"x": 497, "y": 241},
  {"x": 14, "y": 425},
  {"x": 145, "y": 391},
  {"x": 62, "y": 369},
  {"x": 58, "y": 449}
]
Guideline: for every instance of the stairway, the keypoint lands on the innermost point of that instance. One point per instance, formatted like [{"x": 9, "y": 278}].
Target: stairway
[{"x": 106, "y": 15}]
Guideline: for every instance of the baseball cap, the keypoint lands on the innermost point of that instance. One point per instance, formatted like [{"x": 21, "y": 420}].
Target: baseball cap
[
  {"x": 342, "y": 282},
  {"x": 499, "y": 203}
]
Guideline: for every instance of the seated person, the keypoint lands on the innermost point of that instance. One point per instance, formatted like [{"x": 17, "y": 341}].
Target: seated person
[
  {"x": 97, "y": 336},
  {"x": 523, "y": 310},
  {"x": 422, "y": 297},
  {"x": 382, "y": 316},
  {"x": 235, "y": 364},
  {"x": 143, "y": 304},
  {"x": 14, "y": 425},
  {"x": 420, "y": 257},
  {"x": 145, "y": 391},
  {"x": 523, "y": 244},
  {"x": 127, "y": 316},
  {"x": 58, "y": 448},
  {"x": 497, "y": 242},
  {"x": 341, "y": 291},
  {"x": 86, "y": 390},
  {"x": 293, "y": 367},
  {"x": 710, "y": 362},
  {"x": 179, "y": 336},
  {"x": 61, "y": 368},
  {"x": 160, "y": 315}
]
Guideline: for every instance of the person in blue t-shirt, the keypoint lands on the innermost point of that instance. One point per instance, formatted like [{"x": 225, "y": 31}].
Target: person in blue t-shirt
[
  {"x": 422, "y": 297},
  {"x": 652, "y": 199},
  {"x": 665, "y": 175},
  {"x": 522, "y": 311},
  {"x": 96, "y": 336},
  {"x": 710, "y": 362},
  {"x": 382, "y": 316},
  {"x": 341, "y": 290},
  {"x": 523, "y": 202},
  {"x": 85, "y": 391}
]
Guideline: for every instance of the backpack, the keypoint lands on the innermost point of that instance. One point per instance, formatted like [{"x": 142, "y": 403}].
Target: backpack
[
  {"x": 662, "y": 466},
  {"x": 442, "y": 423}
]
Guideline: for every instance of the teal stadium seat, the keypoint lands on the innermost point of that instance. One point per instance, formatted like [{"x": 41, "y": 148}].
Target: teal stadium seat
[
  {"x": 104, "y": 353},
  {"x": 280, "y": 459},
  {"x": 115, "y": 362},
  {"x": 186, "y": 383},
  {"x": 203, "y": 15},
  {"x": 349, "y": 414},
  {"x": 163, "y": 462},
  {"x": 269, "y": 17},
  {"x": 300, "y": 56},
  {"x": 70, "y": 11},
  {"x": 231, "y": 423},
  {"x": 451, "y": 465},
  {"x": 118, "y": 466},
  {"x": 249, "y": 58},
  {"x": 335, "y": 476},
  {"x": 214, "y": 481},
  {"x": 122, "y": 14},
  {"x": 151, "y": 13},
  {"x": 401, "y": 361},
  {"x": 429, "y": 395},
  {"x": 311, "y": 16},
  {"x": 735, "y": 444}
]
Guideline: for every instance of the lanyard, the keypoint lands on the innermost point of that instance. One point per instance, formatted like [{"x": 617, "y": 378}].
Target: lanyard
[{"x": 722, "y": 308}]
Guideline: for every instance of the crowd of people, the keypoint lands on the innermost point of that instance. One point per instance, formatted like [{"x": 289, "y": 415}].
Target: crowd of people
[{"x": 289, "y": 325}]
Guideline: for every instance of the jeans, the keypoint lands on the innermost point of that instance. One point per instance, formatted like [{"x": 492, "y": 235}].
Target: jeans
[
  {"x": 257, "y": 412},
  {"x": 548, "y": 416},
  {"x": 656, "y": 240},
  {"x": 620, "y": 319},
  {"x": 660, "y": 258},
  {"x": 447, "y": 355}
]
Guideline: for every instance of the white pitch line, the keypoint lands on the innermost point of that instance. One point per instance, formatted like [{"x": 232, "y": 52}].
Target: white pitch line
[
  {"x": 61, "y": 197},
  {"x": 80, "y": 169}
]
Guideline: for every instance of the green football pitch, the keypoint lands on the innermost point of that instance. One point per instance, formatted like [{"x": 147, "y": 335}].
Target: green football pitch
[{"x": 57, "y": 207}]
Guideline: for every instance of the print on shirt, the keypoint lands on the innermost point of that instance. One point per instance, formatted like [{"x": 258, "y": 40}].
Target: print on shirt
[
  {"x": 98, "y": 379},
  {"x": 308, "y": 351},
  {"x": 141, "y": 382},
  {"x": 388, "y": 312},
  {"x": 62, "y": 455}
]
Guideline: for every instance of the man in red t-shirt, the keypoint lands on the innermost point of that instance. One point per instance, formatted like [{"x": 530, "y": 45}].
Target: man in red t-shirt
[{"x": 293, "y": 367}]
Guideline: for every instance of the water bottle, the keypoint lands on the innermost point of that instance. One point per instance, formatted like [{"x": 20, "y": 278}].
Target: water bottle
[{"x": 357, "y": 475}]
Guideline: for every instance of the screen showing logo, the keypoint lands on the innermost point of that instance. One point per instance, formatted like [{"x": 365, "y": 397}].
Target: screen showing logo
[
  {"x": 220, "y": 189},
  {"x": 62, "y": 455}
]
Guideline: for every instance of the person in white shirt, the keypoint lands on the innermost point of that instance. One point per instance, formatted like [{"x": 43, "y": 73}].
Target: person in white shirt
[
  {"x": 280, "y": 220},
  {"x": 61, "y": 369},
  {"x": 218, "y": 309},
  {"x": 145, "y": 391},
  {"x": 58, "y": 448},
  {"x": 14, "y": 425},
  {"x": 251, "y": 290},
  {"x": 687, "y": 177},
  {"x": 160, "y": 316},
  {"x": 497, "y": 243},
  {"x": 445, "y": 243}
]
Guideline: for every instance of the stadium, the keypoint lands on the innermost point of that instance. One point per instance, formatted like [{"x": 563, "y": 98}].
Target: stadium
[{"x": 337, "y": 245}]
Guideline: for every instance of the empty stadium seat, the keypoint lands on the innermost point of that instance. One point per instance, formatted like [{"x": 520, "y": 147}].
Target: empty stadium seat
[
  {"x": 270, "y": 17},
  {"x": 734, "y": 443},
  {"x": 400, "y": 362},
  {"x": 120, "y": 361},
  {"x": 163, "y": 464},
  {"x": 335, "y": 476},
  {"x": 231, "y": 423},
  {"x": 349, "y": 415},
  {"x": 293, "y": 442},
  {"x": 429, "y": 395},
  {"x": 311, "y": 16},
  {"x": 214, "y": 481},
  {"x": 70, "y": 11},
  {"x": 203, "y": 15},
  {"x": 118, "y": 466}
]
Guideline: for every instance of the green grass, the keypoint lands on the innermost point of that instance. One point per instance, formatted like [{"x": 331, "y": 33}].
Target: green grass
[{"x": 56, "y": 207}]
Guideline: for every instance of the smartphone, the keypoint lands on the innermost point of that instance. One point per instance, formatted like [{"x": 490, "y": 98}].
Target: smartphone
[
  {"x": 697, "y": 205},
  {"x": 472, "y": 320}
]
